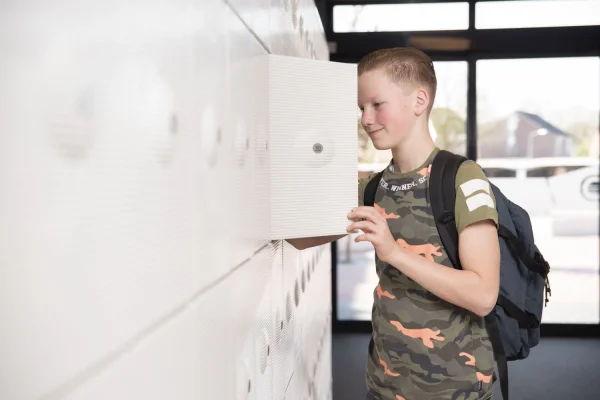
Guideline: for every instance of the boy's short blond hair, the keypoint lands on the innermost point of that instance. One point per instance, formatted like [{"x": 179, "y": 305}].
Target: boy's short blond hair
[{"x": 405, "y": 65}]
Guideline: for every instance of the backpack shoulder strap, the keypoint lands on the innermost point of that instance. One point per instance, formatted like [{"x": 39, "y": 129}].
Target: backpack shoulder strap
[
  {"x": 442, "y": 194},
  {"x": 371, "y": 189}
]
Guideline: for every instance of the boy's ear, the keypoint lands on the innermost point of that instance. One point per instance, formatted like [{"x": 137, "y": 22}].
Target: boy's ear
[{"x": 422, "y": 101}]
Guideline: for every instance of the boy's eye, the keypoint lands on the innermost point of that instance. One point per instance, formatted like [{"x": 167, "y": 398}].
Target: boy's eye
[{"x": 376, "y": 105}]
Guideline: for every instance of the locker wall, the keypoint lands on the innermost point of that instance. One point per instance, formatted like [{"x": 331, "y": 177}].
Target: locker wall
[{"x": 134, "y": 258}]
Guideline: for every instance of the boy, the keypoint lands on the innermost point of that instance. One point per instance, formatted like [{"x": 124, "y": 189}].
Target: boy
[{"x": 429, "y": 340}]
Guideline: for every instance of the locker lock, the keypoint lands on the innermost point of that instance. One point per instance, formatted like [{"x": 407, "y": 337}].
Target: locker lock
[{"x": 318, "y": 148}]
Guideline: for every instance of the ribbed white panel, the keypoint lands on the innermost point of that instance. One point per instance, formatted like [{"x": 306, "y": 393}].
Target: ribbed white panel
[
  {"x": 312, "y": 146},
  {"x": 323, "y": 387},
  {"x": 281, "y": 346},
  {"x": 322, "y": 373},
  {"x": 296, "y": 30},
  {"x": 296, "y": 387},
  {"x": 291, "y": 339},
  {"x": 255, "y": 15},
  {"x": 313, "y": 304},
  {"x": 246, "y": 125},
  {"x": 313, "y": 39},
  {"x": 285, "y": 27},
  {"x": 182, "y": 360},
  {"x": 310, "y": 372},
  {"x": 253, "y": 329},
  {"x": 230, "y": 328}
]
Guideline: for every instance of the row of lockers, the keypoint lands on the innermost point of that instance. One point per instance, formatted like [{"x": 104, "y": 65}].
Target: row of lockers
[
  {"x": 288, "y": 353},
  {"x": 152, "y": 155}
]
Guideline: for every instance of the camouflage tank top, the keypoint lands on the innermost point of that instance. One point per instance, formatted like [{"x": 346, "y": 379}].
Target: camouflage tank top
[{"x": 422, "y": 347}]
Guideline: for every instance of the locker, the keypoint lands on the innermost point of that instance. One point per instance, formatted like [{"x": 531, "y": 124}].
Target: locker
[
  {"x": 296, "y": 30},
  {"x": 182, "y": 358},
  {"x": 152, "y": 156},
  {"x": 280, "y": 349},
  {"x": 255, "y": 15},
  {"x": 292, "y": 335},
  {"x": 104, "y": 139},
  {"x": 253, "y": 330},
  {"x": 310, "y": 141},
  {"x": 246, "y": 123}
]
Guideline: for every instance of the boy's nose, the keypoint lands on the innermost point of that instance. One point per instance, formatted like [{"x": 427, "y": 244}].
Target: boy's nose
[{"x": 366, "y": 119}]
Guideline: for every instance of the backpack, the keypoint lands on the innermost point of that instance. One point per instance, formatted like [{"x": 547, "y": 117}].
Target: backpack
[{"x": 514, "y": 323}]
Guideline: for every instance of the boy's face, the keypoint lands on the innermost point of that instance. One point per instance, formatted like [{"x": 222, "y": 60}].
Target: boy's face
[{"x": 388, "y": 113}]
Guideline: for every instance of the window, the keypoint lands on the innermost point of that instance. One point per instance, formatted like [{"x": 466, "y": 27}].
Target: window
[
  {"x": 401, "y": 17},
  {"x": 449, "y": 113},
  {"x": 536, "y": 14},
  {"x": 540, "y": 118},
  {"x": 547, "y": 172},
  {"x": 500, "y": 173}
]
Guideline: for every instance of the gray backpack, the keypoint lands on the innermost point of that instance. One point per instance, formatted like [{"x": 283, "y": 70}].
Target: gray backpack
[{"x": 514, "y": 324}]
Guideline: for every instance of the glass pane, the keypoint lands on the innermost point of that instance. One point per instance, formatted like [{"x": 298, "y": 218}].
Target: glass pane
[
  {"x": 401, "y": 17},
  {"x": 538, "y": 142},
  {"x": 356, "y": 276},
  {"x": 448, "y": 122},
  {"x": 536, "y": 13}
]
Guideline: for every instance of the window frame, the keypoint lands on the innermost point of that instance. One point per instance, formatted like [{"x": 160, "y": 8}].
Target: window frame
[{"x": 462, "y": 4}]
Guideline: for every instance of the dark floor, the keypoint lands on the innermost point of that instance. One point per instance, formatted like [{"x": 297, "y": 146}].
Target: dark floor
[{"x": 557, "y": 369}]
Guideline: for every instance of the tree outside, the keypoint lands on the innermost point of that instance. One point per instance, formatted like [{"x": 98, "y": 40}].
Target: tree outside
[
  {"x": 449, "y": 127},
  {"x": 584, "y": 133}
]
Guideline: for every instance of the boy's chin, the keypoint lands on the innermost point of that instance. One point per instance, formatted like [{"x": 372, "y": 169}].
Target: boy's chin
[
  {"x": 388, "y": 142},
  {"x": 382, "y": 145}
]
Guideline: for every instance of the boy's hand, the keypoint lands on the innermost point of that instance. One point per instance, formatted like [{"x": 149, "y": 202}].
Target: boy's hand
[{"x": 376, "y": 231}]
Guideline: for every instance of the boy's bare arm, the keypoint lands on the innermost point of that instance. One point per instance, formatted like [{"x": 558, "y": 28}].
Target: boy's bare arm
[{"x": 305, "y": 243}]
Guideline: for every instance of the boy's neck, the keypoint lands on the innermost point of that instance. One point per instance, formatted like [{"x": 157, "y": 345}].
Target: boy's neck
[{"x": 413, "y": 152}]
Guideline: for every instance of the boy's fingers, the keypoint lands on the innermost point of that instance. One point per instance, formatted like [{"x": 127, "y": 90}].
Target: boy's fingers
[
  {"x": 364, "y": 226},
  {"x": 367, "y": 213},
  {"x": 367, "y": 237}
]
